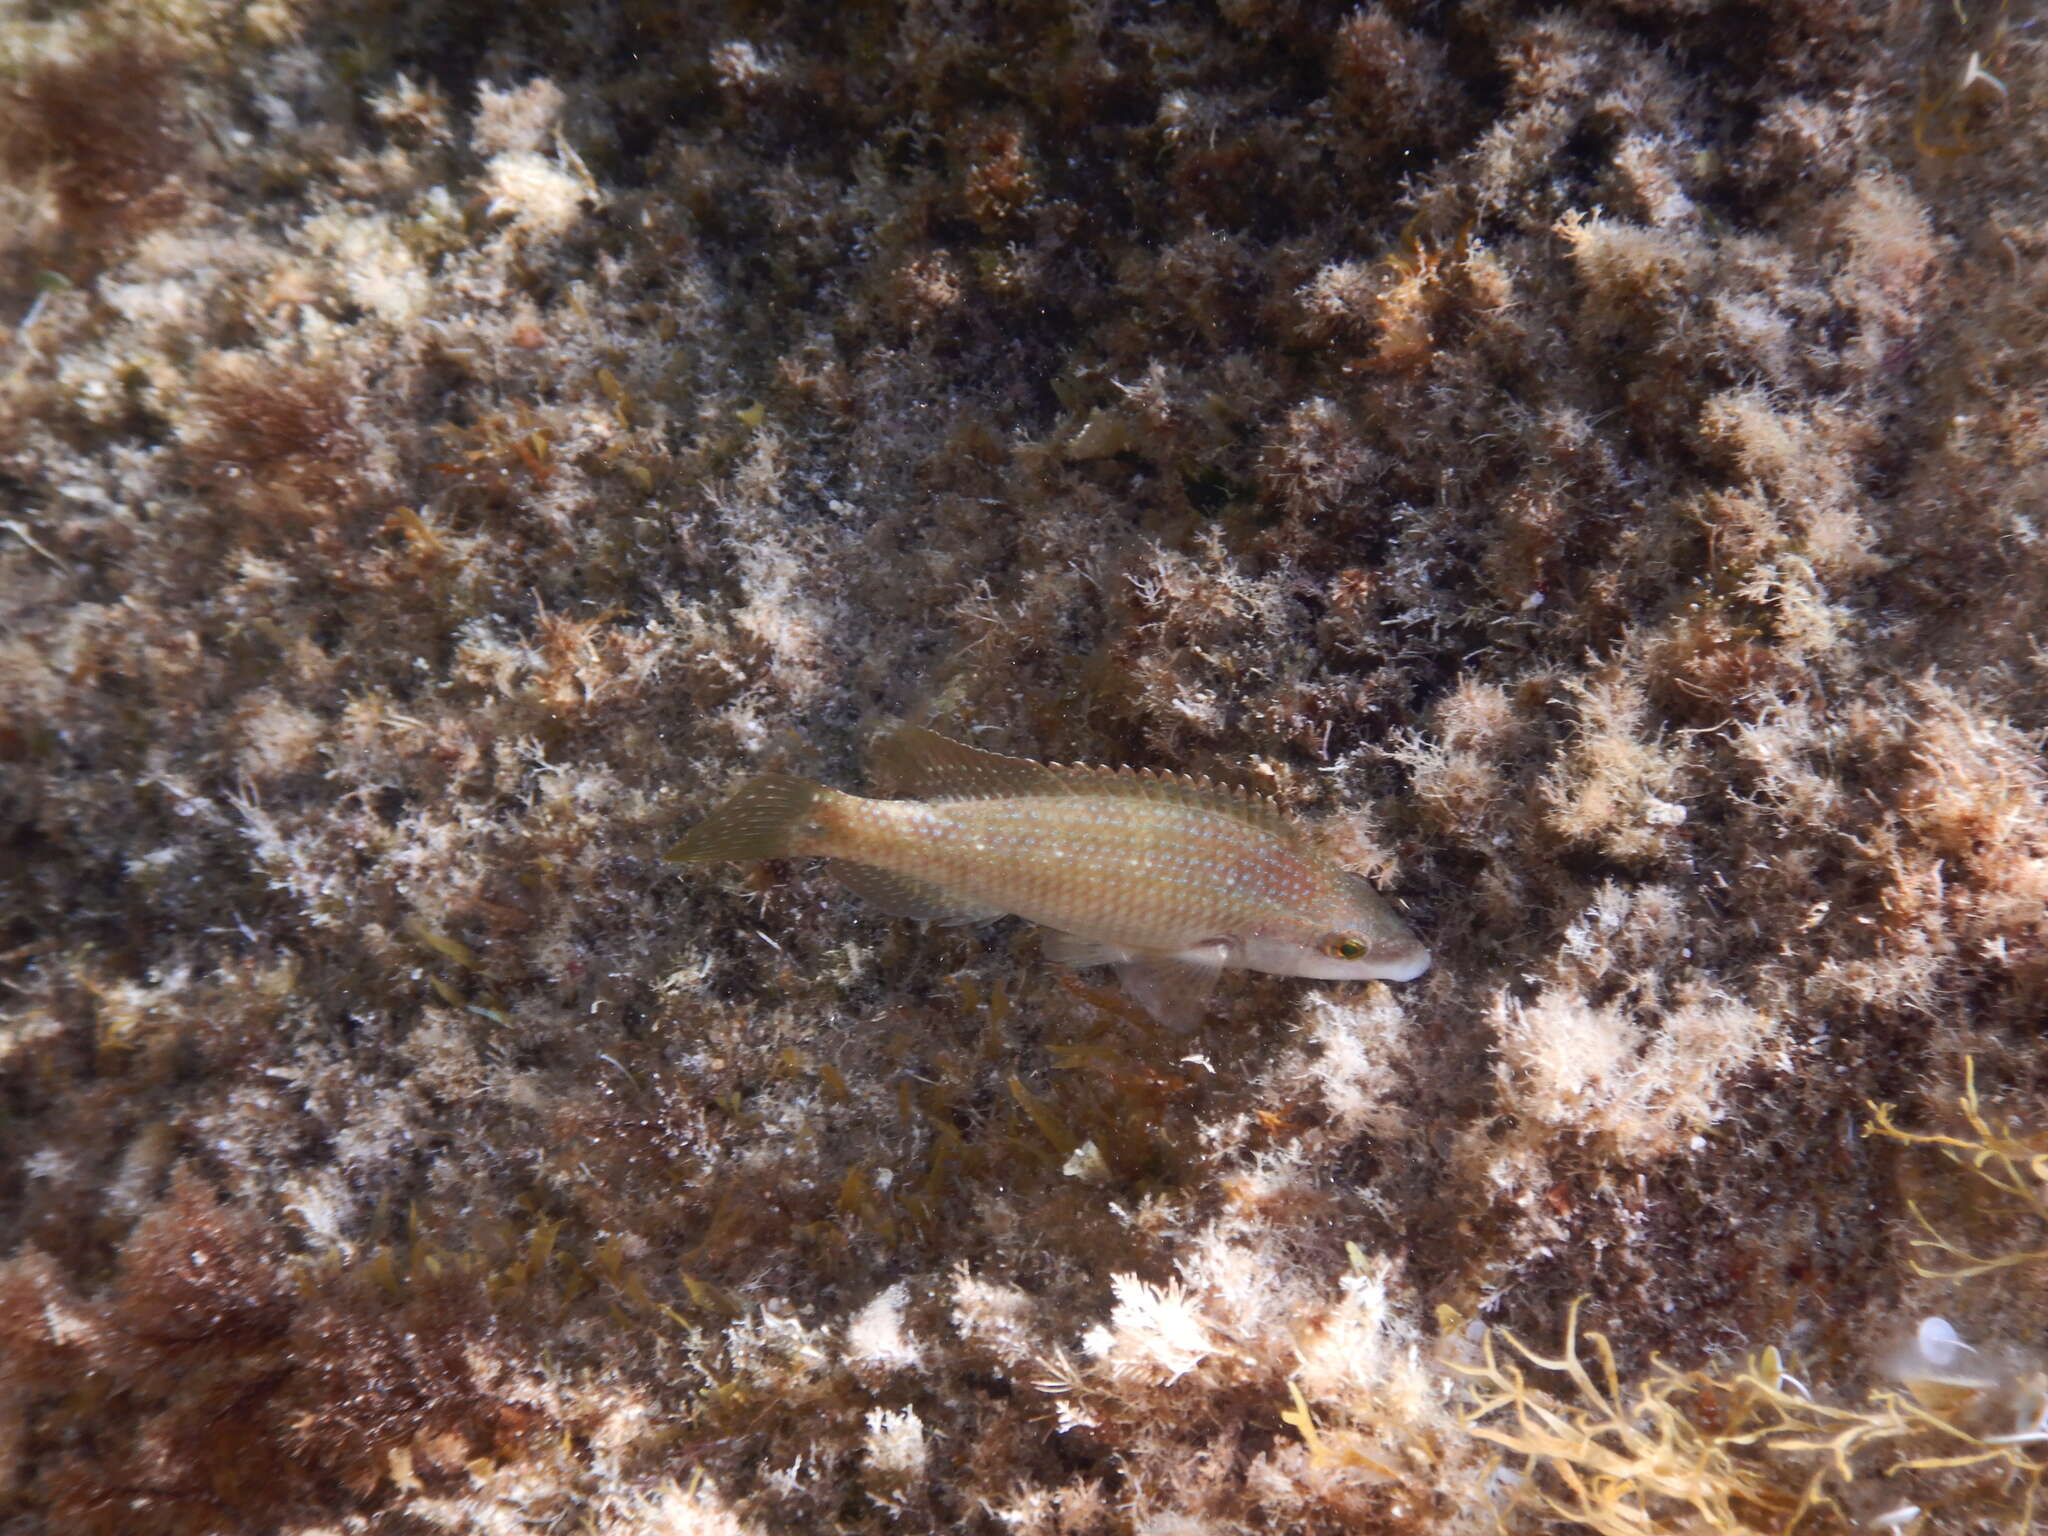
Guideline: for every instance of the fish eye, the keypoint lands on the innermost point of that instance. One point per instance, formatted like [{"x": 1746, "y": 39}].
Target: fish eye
[{"x": 1338, "y": 947}]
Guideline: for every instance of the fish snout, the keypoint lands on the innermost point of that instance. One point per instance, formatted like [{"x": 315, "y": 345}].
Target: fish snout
[{"x": 1401, "y": 960}]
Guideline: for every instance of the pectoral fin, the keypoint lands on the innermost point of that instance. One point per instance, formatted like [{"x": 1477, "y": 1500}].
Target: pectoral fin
[{"x": 1174, "y": 989}]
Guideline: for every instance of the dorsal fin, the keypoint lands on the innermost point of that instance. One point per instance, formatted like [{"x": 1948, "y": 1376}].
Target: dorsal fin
[
  {"x": 1232, "y": 800},
  {"x": 917, "y": 764}
]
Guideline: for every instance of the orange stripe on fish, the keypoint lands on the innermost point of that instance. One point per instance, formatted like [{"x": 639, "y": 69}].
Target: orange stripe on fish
[{"x": 1169, "y": 879}]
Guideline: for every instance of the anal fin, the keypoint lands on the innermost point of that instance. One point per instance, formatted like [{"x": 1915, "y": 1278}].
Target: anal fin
[
  {"x": 908, "y": 896},
  {"x": 1072, "y": 949}
]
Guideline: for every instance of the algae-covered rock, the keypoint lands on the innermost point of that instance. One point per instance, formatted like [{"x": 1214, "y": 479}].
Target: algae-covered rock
[{"x": 1589, "y": 461}]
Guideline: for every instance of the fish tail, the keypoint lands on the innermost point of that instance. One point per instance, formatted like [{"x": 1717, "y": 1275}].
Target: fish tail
[{"x": 771, "y": 817}]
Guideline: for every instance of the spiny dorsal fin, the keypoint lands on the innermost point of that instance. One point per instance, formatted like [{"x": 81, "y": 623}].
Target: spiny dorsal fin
[
  {"x": 1233, "y": 800},
  {"x": 918, "y": 764}
]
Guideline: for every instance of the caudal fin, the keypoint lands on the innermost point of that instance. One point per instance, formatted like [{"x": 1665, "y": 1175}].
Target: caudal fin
[{"x": 763, "y": 820}]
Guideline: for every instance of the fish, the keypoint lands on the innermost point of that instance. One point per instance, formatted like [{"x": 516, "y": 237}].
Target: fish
[{"x": 1169, "y": 879}]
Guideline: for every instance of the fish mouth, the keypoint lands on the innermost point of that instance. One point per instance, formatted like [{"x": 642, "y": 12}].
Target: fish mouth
[{"x": 1404, "y": 964}]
